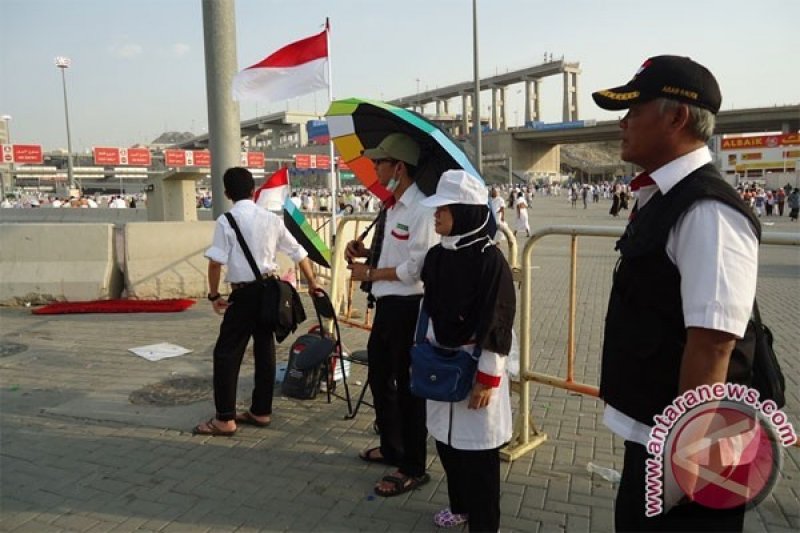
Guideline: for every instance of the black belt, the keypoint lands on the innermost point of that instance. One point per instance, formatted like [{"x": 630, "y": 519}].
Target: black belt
[
  {"x": 399, "y": 298},
  {"x": 243, "y": 284}
]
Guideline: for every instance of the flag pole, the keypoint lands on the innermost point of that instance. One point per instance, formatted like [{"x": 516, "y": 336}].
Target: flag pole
[{"x": 334, "y": 202}]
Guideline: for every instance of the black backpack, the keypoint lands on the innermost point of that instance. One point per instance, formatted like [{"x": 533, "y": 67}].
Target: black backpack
[
  {"x": 754, "y": 363},
  {"x": 308, "y": 356}
]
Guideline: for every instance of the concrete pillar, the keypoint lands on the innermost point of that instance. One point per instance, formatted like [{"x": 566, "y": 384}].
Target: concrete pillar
[
  {"x": 466, "y": 113},
  {"x": 442, "y": 106},
  {"x": 499, "y": 119},
  {"x": 532, "y": 101},
  {"x": 570, "y": 95},
  {"x": 219, "y": 38}
]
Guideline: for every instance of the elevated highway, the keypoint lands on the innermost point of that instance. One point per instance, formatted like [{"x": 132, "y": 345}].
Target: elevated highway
[
  {"x": 283, "y": 127},
  {"x": 754, "y": 120}
]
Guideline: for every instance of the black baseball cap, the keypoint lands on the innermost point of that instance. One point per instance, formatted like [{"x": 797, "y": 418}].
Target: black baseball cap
[{"x": 674, "y": 77}]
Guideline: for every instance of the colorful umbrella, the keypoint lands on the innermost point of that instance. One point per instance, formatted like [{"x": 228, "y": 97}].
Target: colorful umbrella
[
  {"x": 301, "y": 230},
  {"x": 355, "y": 124}
]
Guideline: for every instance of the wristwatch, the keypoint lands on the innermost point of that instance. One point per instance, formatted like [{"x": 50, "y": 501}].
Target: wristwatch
[{"x": 213, "y": 297}]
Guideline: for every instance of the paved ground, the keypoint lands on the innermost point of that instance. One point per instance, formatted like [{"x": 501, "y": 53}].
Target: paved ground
[{"x": 78, "y": 454}]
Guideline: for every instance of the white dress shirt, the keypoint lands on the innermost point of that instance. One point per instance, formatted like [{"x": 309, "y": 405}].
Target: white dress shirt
[
  {"x": 264, "y": 234},
  {"x": 715, "y": 250},
  {"x": 408, "y": 236}
]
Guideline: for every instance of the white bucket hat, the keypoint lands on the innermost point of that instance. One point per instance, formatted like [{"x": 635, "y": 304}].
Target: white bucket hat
[{"x": 458, "y": 187}]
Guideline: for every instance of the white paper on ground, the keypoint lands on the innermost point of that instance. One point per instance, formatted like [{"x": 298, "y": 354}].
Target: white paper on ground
[{"x": 162, "y": 350}]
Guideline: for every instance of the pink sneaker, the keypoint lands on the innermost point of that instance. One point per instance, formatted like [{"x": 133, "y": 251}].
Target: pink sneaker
[{"x": 446, "y": 519}]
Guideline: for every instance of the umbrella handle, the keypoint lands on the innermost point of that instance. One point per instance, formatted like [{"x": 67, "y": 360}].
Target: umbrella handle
[{"x": 366, "y": 231}]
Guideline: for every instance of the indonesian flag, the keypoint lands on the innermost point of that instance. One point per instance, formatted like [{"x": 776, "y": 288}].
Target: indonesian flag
[
  {"x": 274, "y": 191},
  {"x": 294, "y": 70}
]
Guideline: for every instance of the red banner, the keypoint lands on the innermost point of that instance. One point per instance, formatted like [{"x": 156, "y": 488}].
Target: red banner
[
  {"x": 323, "y": 161},
  {"x": 253, "y": 159},
  {"x": 341, "y": 164},
  {"x": 23, "y": 153},
  {"x": 202, "y": 158},
  {"x": 139, "y": 157},
  {"x": 760, "y": 141},
  {"x": 302, "y": 160},
  {"x": 175, "y": 158},
  {"x": 106, "y": 156}
]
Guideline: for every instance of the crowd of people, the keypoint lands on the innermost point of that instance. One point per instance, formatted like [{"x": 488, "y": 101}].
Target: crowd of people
[
  {"x": 768, "y": 202},
  {"x": 88, "y": 201}
]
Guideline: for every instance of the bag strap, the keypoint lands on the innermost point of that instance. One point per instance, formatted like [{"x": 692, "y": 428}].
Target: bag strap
[
  {"x": 243, "y": 245},
  {"x": 756, "y": 315},
  {"x": 422, "y": 327}
]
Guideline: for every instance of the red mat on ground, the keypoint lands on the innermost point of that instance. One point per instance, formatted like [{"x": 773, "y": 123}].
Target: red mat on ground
[{"x": 115, "y": 306}]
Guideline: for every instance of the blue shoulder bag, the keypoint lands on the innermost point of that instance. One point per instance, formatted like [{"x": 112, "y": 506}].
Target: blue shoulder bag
[{"x": 441, "y": 374}]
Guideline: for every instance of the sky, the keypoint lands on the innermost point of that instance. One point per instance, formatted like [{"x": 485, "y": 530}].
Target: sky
[{"x": 138, "y": 66}]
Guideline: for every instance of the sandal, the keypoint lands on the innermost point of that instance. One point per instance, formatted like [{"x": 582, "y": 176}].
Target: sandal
[
  {"x": 249, "y": 419},
  {"x": 447, "y": 519},
  {"x": 371, "y": 457},
  {"x": 209, "y": 428},
  {"x": 401, "y": 484}
]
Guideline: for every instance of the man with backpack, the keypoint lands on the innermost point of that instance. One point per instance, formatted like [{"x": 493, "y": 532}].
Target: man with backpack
[{"x": 684, "y": 287}]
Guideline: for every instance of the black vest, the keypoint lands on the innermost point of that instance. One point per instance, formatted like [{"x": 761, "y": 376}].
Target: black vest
[{"x": 644, "y": 332}]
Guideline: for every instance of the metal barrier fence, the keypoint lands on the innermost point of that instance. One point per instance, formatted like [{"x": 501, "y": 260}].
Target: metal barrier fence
[
  {"x": 342, "y": 290},
  {"x": 526, "y": 436}
]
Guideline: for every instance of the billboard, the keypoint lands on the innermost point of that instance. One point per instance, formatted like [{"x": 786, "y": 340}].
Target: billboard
[
  {"x": 108, "y": 156},
  {"x": 187, "y": 158},
  {"x": 30, "y": 154},
  {"x": 753, "y": 155},
  {"x": 253, "y": 159}
]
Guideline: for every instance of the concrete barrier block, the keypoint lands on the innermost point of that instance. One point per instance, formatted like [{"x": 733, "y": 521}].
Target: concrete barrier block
[
  {"x": 41, "y": 263},
  {"x": 165, "y": 259}
]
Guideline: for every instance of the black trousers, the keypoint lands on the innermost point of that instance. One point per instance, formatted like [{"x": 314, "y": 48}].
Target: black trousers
[
  {"x": 241, "y": 321},
  {"x": 400, "y": 415},
  {"x": 630, "y": 505},
  {"x": 473, "y": 485}
]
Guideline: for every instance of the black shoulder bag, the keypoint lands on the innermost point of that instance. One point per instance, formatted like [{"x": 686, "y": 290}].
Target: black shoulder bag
[
  {"x": 754, "y": 362},
  {"x": 281, "y": 308}
]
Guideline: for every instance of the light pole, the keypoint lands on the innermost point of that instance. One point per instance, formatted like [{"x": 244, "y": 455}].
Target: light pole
[
  {"x": 64, "y": 63},
  {"x": 476, "y": 104},
  {"x": 7, "y": 120}
]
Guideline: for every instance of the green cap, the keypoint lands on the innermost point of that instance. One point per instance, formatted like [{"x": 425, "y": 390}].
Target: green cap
[{"x": 397, "y": 146}]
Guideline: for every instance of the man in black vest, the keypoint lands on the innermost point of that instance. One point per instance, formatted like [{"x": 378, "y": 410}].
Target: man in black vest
[{"x": 684, "y": 286}]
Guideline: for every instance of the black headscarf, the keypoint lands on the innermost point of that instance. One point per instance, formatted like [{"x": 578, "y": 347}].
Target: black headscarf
[{"x": 469, "y": 291}]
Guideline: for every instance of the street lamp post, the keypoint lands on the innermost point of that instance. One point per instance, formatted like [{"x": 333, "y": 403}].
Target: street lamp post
[
  {"x": 476, "y": 104},
  {"x": 7, "y": 120},
  {"x": 64, "y": 63}
]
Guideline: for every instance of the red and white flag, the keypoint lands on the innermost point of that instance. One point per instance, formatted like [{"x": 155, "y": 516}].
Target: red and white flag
[
  {"x": 274, "y": 191},
  {"x": 294, "y": 70}
]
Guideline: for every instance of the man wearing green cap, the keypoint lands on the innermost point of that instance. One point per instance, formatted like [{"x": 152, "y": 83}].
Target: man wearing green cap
[{"x": 404, "y": 234}]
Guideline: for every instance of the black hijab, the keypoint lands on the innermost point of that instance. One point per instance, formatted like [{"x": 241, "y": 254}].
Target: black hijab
[{"x": 469, "y": 291}]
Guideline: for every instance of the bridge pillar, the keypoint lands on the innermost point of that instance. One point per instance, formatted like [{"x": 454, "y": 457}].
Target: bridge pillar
[
  {"x": 442, "y": 107},
  {"x": 570, "y": 94},
  {"x": 499, "y": 120},
  {"x": 532, "y": 101},
  {"x": 466, "y": 113},
  {"x": 535, "y": 158}
]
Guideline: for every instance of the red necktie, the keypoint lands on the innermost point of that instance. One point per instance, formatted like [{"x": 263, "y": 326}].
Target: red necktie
[{"x": 642, "y": 180}]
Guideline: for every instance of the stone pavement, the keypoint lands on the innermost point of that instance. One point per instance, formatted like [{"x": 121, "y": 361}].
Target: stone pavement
[{"x": 88, "y": 444}]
